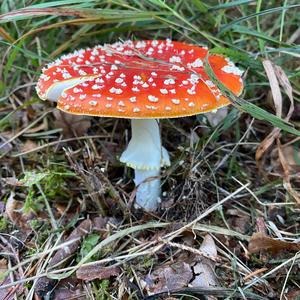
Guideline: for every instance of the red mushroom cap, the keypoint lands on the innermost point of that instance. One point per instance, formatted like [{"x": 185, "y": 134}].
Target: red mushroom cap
[{"x": 143, "y": 79}]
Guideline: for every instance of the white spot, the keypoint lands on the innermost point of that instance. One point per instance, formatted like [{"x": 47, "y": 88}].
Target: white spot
[
  {"x": 191, "y": 104},
  {"x": 153, "y": 73},
  {"x": 185, "y": 82},
  {"x": 231, "y": 69},
  {"x": 197, "y": 63},
  {"x": 209, "y": 83},
  {"x": 82, "y": 73},
  {"x": 140, "y": 44},
  {"x": 145, "y": 85},
  {"x": 176, "y": 101},
  {"x": 194, "y": 79},
  {"x": 114, "y": 67},
  {"x": 136, "y": 109},
  {"x": 66, "y": 75},
  {"x": 132, "y": 99},
  {"x": 164, "y": 91},
  {"x": 151, "y": 107},
  {"x": 174, "y": 59},
  {"x": 152, "y": 98},
  {"x": 77, "y": 90},
  {"x": 135, "y": 89},
  {"x": 95, "y": 52},
  {"x": 122, "y": 75},
  {"x": 121, "y": 103},
  {"x": 93, "y": 103},
  {"x": 114, "y": 90},
  {"x": 137, "y": 77},
  {"x": 96, "y": 87},
  {"x": 108, "y": 105},
  {"x": 168, "y": 108},
  {"x": 119, "y": 80},
  {"x": 177, "y": 68},
  {"x": 169, "y": 81},
  {"x": 109, "y": 98},
  {"x": 191, "y": 91},
  {"x": 67, "y": 107},
  {"x": 82, "y": 97},
  {"x": 99, "y": 80},
  {"x": 173, "y": 91}
]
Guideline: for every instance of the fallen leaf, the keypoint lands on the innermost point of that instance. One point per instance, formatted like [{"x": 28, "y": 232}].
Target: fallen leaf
[
  {"x": 286, "y": 174},
  {"x": 274, "y": 84},
  {"x": 261, "y": 242},
  {"x": 3, "y": 267},
  {"x": 169, "y": 277},
  {"x": 293, "y": 294},
  {"x": 69, "y": 288},
  {"x": 238, "y": 220},
  {"x": 14, "y": 211},
  {"x": 277, "y": 78},
  {"x": 89, "y": 273},
  {"x": 291, "y": 153},
  {"x": 72, "y": 125},
  {"x": 9, "y": 293},
  {"x": 204, "y": 269},
  {"x": 28, "y": 146}
]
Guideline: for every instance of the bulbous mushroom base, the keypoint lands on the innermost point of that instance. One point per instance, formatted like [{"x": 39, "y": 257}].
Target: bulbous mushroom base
[{"x": 148, "y": 189}]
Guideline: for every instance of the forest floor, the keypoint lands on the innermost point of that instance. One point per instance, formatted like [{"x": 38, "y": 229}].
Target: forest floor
[{"x": 228, "y": 226}]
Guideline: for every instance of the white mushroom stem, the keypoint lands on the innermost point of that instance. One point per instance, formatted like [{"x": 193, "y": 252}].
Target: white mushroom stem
[{"x": 146, "y": 156}]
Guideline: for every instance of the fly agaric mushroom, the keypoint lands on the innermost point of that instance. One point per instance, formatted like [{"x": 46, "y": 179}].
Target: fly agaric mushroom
[{"x": 143, "y": 81}]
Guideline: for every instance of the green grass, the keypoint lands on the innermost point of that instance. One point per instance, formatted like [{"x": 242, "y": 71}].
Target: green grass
[{"x": 81, "y": 173}]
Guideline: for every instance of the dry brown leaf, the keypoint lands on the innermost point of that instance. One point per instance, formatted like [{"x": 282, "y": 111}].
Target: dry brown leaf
[
  {"x": 286, "y": 174},
  {"x": 292, "y": 159},
  {"x": 28, "y": 146},
  {"x": 72, "y": 125},
  {"x": 278, "y": 78},
  {"x": 169, "y": 277},
  {"x": 3, "y": 266},
  {"x": 8, "y": 293},
  {"x": 89, "y": 273},
  {"x": 265, "y": 145},
  {"x": 204, "y": 269},
  {"x": 260, "y": 242},
  {"x": 68, "y": 288},
  {"x": 274, "y": 84},
  {"x": 274, "y": 74}
]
